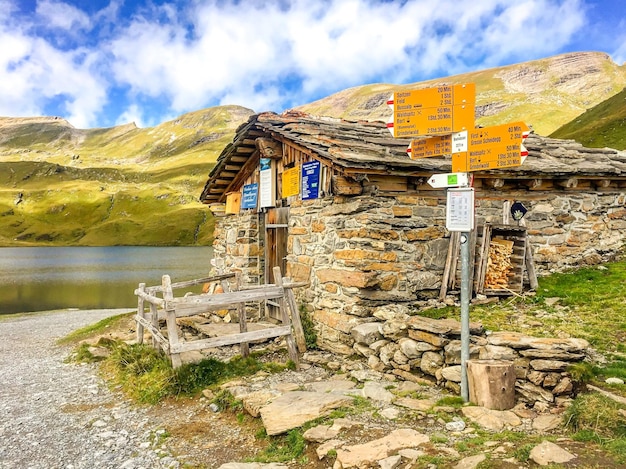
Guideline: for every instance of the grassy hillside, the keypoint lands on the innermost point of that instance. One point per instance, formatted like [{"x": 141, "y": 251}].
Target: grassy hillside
[
  {"x": 543, "y": 93},
  {"x": 602, "y": 126},
  {"x": 119, "y": 186}
]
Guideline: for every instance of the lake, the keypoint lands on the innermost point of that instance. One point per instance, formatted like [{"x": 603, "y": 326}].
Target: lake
[{"x": 46, "y": 278}]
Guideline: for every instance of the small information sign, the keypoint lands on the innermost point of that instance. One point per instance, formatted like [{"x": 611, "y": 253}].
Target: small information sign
[
  {"x": 250, "y": 196},
  {"x": 291, "y": 182},
  {"x": 460, "y": 209},
  {"x": 311, "y": 180}
]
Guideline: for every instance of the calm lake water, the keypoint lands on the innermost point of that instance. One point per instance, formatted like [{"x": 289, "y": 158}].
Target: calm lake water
[{"x": 42, "y": 279}]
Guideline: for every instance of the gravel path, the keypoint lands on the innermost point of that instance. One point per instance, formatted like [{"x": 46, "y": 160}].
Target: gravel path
[{"x": 61, "y": 415}]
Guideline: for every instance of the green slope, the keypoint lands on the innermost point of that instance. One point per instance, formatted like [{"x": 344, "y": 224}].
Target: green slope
[
  {"x": 117, "y": 186},
  {"x": 601, "y": 126}
]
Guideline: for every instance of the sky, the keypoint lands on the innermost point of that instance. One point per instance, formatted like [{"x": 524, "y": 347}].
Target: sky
[{"x": 101, "y": 63}]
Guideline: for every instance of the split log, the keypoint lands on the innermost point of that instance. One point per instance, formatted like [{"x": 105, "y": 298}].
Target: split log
[
  {"x": 491, "y": 383},
  {"x": 499, "y": 264}
]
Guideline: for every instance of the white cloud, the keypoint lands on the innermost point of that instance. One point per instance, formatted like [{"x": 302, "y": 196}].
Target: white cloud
[
  {"x": 266, "y": 55},
  {"x": 62, "y": 15}
]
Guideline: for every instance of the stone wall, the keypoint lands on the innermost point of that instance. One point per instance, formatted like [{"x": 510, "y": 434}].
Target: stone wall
[
  {"x": 359, "y": 253},
  {"x": 362, "y": 252},
  {"x": 413, "y": 347}
]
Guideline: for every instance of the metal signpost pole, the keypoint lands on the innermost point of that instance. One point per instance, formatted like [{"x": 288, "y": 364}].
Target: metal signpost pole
[{"x": 465, "y": 302}]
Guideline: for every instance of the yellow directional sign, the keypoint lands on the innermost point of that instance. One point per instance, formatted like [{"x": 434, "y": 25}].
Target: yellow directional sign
[
  {"x": 492, "y": 148},
  {"x": 431, "y": 146},
  {"x": 432, "y": 111}
]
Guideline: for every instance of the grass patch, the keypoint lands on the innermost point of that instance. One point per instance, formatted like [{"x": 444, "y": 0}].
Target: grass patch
[
  {"x": 146, "y": 374},
  {"x": 283, "y": 448},
  {"x": 598, "y": 419}
]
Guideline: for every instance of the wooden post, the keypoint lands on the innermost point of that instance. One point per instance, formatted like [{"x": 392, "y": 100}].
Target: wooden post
[
  {"x": 492, "y": 383},
  {"x": 530, "y": 267},
  {"x": 291, "y": 344},
  {"x": 295, "y": 317},
  {"x": 170, "y": 317},
  {"x": 140, "y": 313},
  {"x": 241, "y": 312},
  {"x": 154, "y": 319}
]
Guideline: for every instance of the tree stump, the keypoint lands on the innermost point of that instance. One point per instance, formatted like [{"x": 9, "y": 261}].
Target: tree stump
[{"x": 491, "y": 383}]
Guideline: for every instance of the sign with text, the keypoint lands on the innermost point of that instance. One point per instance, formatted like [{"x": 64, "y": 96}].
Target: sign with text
[
  {"x": 291, "y": 182},
  {"x": 310, "y": 180},
  {"x": 438, "y": 181},
  {"x": 267, "y": 187},
  {"x": 460, "y": 209},
  {"x": 432, "y": 111},
  {"x": 250, "y": 196},
  {"x": 233, "y": 203},
  {"x": 492, "y": 147}
]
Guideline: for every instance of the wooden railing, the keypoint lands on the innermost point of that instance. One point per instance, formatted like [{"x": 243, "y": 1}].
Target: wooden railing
[{"x": 169, "y": 307}]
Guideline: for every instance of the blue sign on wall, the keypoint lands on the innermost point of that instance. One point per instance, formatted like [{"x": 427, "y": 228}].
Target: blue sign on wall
[
  {"x": 250, "y": 196},
  {"x": 310, "y": 180}
]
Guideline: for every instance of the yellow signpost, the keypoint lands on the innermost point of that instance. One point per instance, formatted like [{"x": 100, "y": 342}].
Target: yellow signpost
[
  {"x": 431, "y": 146},
  {"x": 492, "y": 147},
  {"x": 432, "y": 111}
]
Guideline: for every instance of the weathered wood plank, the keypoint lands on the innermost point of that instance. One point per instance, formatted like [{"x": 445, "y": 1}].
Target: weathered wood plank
[
  {"x": 204, "y": 303},
  {"x": 156, "y": 334},
  {"x": 232, "y": 339},
  {"x": 172, "y": 328},
  {"x": 140, "y": 313}
]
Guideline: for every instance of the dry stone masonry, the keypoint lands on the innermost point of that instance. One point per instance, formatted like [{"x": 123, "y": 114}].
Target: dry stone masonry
[{"x": 414, "y": 348}]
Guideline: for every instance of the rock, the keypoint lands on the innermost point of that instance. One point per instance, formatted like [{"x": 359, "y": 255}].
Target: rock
[
  {"x": 548, "y": 365},
  {"x": 255, "y": 400},
  {"x": 294, "y": 409},
  {"x": 431, "y": 362},
  {"x": 470, "y": 462},
  {"x": 320, "y": 433},
  {"x": 414, "y": 349},
  {"x": 497, "y": 352},
  {"x": 367, "y": 333},
  {"x": 377, "y": 392},
  {"x": 552, "y": 354},
  {"x": 429, "y": 338},
  {"x": 614, "y": 381},
  {"x": 341, "y": 386},
  {"x": 252, "y": 465},
  {"x": 457, "y": 425},
  {"x": 533, "y": 393},
  {"x": 547, "y": 453},
  {"x": 452, "y": 373},
  {"x": 392, "y": 462},
  {"x": 491, "y": 419},
  {"x": 415, "y": 404},
  {"x": 323, "y": 449},
  {"x": 366, "y": 454},
  {"x": 546, "y": 423},
  {"x": 521, "y": 341}
]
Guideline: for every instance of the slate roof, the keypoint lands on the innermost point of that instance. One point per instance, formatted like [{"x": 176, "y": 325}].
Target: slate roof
[{"x": 368, "y": 148}]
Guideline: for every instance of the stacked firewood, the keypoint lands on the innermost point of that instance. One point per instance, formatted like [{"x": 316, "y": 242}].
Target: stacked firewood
[{"x": 499, "y": 264}]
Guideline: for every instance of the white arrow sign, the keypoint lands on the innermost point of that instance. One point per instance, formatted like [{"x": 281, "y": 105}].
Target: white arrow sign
[{"x": 437, "y": 181}]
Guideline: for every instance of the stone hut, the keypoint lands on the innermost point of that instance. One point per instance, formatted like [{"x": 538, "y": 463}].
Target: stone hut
[{"x": 340, "y": 205}]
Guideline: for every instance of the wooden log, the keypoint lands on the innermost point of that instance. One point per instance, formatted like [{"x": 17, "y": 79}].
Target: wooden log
[
  {"x": 243, "y": 326},
  {"x": 140, "y": 313},
  {"x": 156, "y": 334},
  {"x": 491, "y": 383}
]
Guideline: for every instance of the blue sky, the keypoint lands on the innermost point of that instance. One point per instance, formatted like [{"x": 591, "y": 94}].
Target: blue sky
[{"x": 100, "y": 63}]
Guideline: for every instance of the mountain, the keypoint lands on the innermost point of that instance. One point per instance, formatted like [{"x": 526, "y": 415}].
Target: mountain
[
  {"x": 604, "y": 125},
  {"x": 543, "y": 93},
  {"x": 122, "y": 185},
  {"x": 129, "y": 186}
]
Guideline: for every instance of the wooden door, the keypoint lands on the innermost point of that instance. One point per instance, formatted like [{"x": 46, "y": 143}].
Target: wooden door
[{"x": 276, "y": 231}]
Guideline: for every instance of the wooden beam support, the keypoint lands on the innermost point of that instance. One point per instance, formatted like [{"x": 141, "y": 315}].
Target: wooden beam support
[{"x": 569, "y": 183}]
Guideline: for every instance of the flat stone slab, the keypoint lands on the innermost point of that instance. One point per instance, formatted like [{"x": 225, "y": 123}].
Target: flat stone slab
[
  {"x": 495, "y": 420},
  {"x": 366, "y": 454},
  {"x": 547, "y": 453},
  {"x": 294, "y": 409}
]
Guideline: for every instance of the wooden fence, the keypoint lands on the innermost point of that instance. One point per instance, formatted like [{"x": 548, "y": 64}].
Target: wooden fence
[{"x": 168, "y": 307}]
